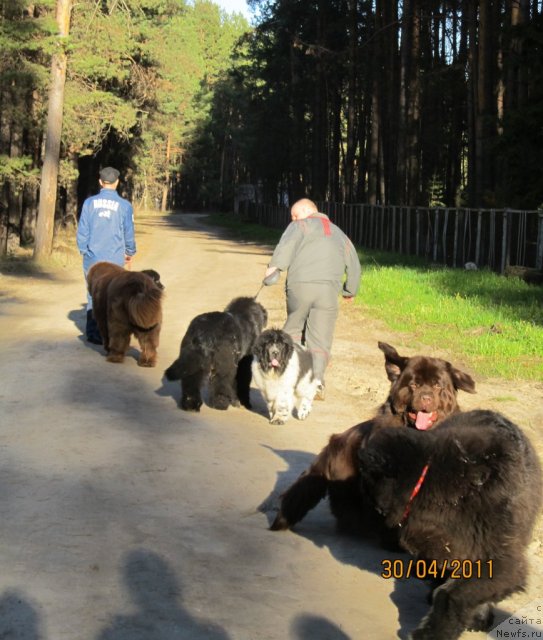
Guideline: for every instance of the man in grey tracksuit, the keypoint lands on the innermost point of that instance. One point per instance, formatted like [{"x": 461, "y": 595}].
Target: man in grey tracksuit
[{"x": 316, "y": 255}]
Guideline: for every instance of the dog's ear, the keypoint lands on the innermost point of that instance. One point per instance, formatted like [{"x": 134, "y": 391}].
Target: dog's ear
[
  {"x": 394, "y": 362},
  {"x": 258, "y": 347},
  {"x": 461, "y": 380}
]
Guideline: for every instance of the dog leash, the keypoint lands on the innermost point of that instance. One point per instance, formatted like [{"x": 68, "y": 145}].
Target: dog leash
[{"x": 273, "y": 278}]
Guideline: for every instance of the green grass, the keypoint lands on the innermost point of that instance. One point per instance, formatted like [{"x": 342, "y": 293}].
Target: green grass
[{"x": 493, "y": 323}]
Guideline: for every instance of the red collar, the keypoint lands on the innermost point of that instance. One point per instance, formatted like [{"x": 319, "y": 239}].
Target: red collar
[{"x": 414, "y": 493}]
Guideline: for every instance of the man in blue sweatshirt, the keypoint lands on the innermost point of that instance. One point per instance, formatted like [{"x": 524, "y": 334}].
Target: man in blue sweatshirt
[
  {"x": 105, "y": 232},
  {"x": 321, "y": 262}
]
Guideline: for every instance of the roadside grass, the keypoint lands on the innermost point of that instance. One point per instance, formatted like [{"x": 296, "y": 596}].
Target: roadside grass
[{"x": 493, "y": 323}]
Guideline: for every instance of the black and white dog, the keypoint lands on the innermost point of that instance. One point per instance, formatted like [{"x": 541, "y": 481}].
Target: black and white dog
[{"x": 283, "y": 371}]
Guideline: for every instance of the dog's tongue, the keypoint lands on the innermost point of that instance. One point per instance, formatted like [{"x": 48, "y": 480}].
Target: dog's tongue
[
  {"x": 274, "y": 362},
  {"x": 424, "y": 420}
]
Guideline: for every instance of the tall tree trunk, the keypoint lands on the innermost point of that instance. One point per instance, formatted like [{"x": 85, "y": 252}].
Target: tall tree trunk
[
  {"x": 352, "y": 116},
  {"x": 49, "y": 175},
  {"x": 389, "y": 106},
  {"x": 4, "y": 187},
  {"x": 70, "y": 215},
  {"x": 297, "y": 115},
  {"x": 373, "y": 160},
  {"x": 165, "y": 187},
  {"x": 473, "y": 63},
  {"x": 516, "y": 92},
  {"x": 405, "y": 64},
  {"x": 485, "y": 108},
  {"x": 27, "y": 223},
  {"x": 413, "y": 111}
]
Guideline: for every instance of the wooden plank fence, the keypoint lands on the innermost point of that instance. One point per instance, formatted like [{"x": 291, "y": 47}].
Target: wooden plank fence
[{"x": 492, "y": 238}]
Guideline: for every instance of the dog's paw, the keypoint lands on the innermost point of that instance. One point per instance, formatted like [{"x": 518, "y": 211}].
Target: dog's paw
[
  {"x": 277, "y": 420},
  {"x": 304, "y": 410},
  {"x": 190, "y": 404},
  {"x": 483, "y": 619},
  {"x": 115, "y": 357},
  {"x": 144, "y": 362},
  {"x": 280, "y": 523}
]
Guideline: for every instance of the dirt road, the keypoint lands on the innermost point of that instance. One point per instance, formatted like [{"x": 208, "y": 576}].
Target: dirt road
[{"x": 125, "y": 518}]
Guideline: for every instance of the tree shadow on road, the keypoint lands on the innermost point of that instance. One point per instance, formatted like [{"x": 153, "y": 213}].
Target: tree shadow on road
[
  {"x": 410, "y": 596},
  {"x": 18, "y": 618},
  {"x": 157, "y": 594}
]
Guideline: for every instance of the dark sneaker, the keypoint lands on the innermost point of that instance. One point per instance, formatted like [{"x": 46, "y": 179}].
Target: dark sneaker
[
  {"x": 319, "y": 395},
  {"x": 91, "y": 330}
]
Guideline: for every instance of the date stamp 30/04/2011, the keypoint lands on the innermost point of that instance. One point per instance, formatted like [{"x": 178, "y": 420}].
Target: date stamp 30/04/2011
[{"x": 423, "y": 569}]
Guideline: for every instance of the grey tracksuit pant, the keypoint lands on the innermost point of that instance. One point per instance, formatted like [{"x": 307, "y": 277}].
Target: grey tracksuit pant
[{"x": 312, "y": 310}]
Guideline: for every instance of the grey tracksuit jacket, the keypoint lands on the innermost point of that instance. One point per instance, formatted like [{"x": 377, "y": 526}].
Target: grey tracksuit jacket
[{"x": 316, "y": 250}]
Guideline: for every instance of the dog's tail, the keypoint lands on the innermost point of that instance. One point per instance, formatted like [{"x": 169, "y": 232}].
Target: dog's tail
[
  {"x": 191, "y": 361},
  {"x": 145, "y": 307}
]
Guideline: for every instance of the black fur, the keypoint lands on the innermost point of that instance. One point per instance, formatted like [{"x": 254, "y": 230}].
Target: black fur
[
  {"x": 420, "y": 386},
  {"x": 478, "y": 502},
  {"x": 217, "y": 348}
]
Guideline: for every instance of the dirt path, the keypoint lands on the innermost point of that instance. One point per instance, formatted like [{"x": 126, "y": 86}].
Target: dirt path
[{"x": 125, "y": 518}]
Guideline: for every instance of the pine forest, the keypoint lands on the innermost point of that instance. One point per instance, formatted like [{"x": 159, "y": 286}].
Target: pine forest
[{"x": 413, "y": 102}]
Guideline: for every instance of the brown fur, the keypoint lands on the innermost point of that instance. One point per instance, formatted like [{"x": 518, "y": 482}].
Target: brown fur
[
  {"x": 126, "y": 302},
  {"x": 419, "y": 384}
]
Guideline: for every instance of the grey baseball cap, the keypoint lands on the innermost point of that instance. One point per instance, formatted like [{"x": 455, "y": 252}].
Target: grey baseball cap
[{"x": 109, "y": 175}]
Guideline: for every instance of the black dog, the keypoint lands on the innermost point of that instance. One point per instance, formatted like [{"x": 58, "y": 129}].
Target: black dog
[
  {"x": 464, "y": 499},
  {"x": 423, "y": 392},
  {"x": 217, "y": 347}
]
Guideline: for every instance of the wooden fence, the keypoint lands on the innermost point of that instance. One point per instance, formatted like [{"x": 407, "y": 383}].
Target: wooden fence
[{"x": 493, "y": 238}]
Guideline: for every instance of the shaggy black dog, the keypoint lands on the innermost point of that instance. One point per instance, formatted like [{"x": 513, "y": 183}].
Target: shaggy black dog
[
  {"x": 283, "y": 371},
  {"x": 217, "y": 348},
  {"x": 423, "y": 392},
  {"x": 464, "y": 499}
]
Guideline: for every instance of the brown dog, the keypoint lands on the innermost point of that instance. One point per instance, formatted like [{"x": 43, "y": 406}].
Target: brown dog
[
  {"x": 423, "y": 393},
  {"x": 126, "y": 302}
]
